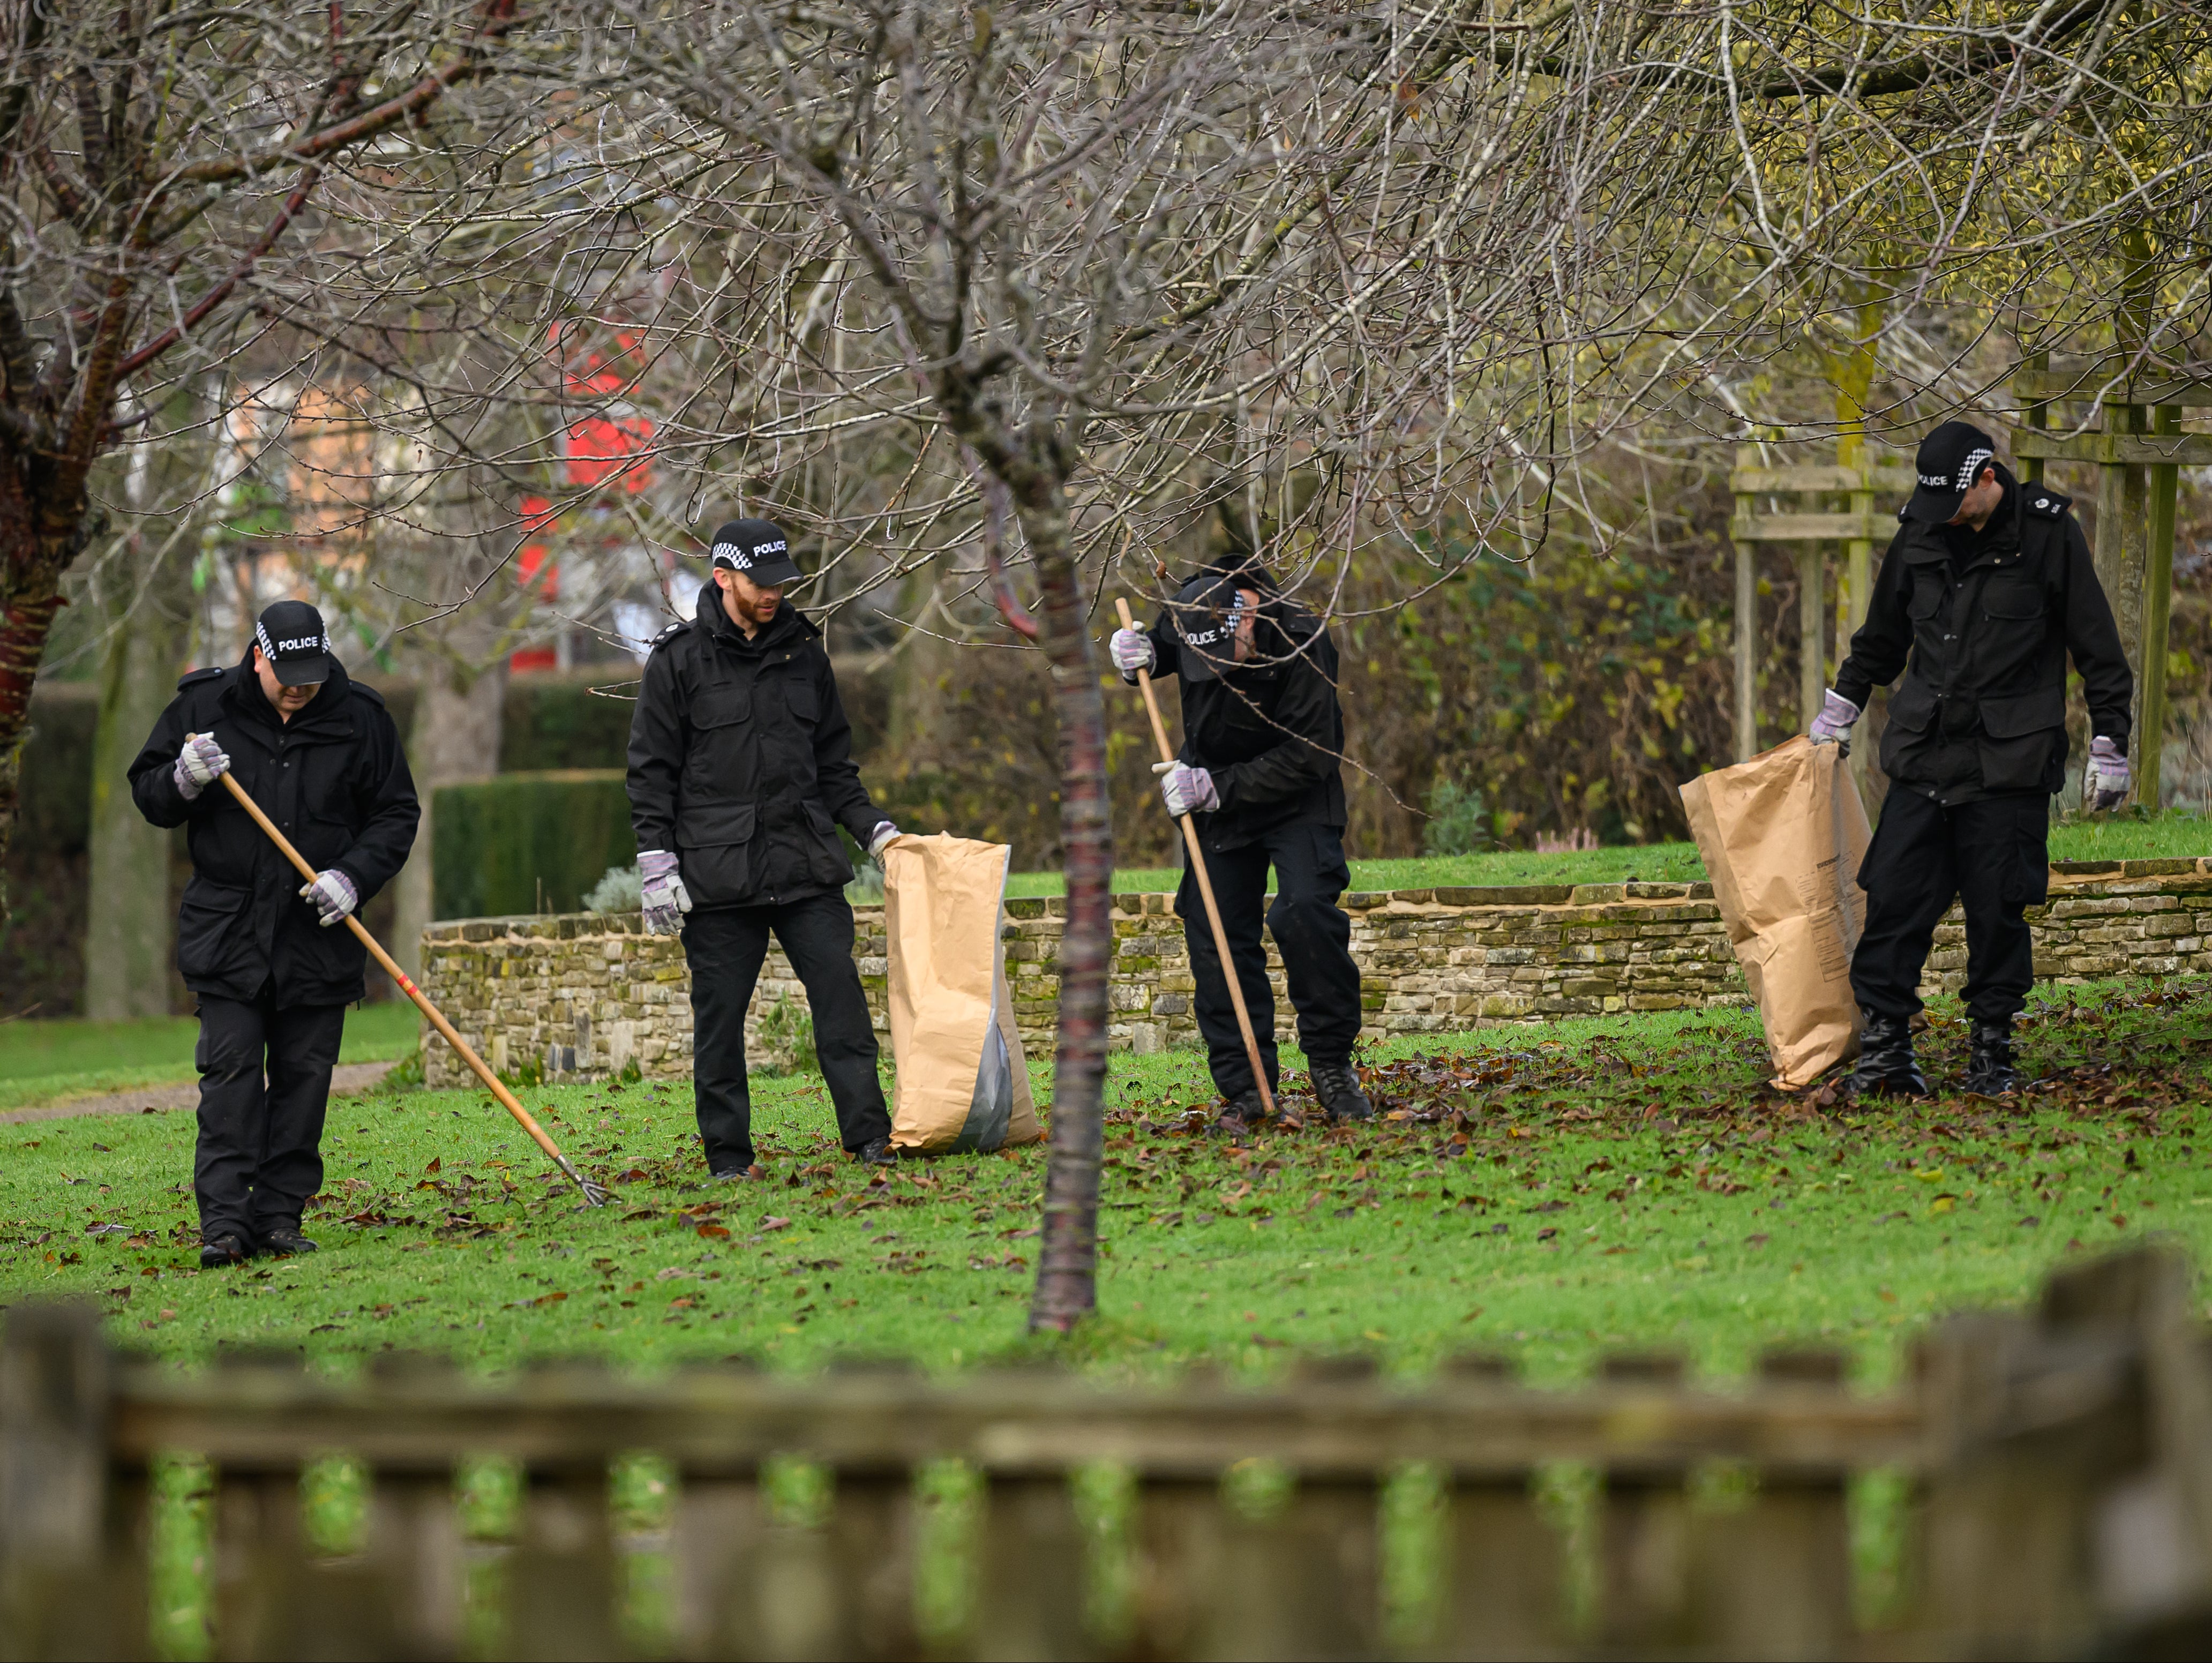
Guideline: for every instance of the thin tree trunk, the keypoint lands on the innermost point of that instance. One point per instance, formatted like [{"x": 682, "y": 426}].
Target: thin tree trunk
[
  {"x": 146, "y": 592},
  {"x": 454, "y": 737},
  {"x": 129, "y": 926},
  {"x": 25, "y": 621},
  {"x": 1067, "y": 1260}
]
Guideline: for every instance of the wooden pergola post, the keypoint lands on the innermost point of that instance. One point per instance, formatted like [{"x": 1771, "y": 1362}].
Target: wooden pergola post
[
  {"x": 2149, "y": 732},
  {"x": 1809, "y": 530},
  {"x": 1746, "y": 622},
  {"x": 2139, "y": 452}
]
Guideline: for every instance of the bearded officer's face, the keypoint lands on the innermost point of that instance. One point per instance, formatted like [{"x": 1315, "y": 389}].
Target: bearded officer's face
[{"x": 749, "y": 604}]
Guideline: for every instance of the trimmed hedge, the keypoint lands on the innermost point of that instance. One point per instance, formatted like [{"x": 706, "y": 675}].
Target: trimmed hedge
[
  {"x": 557, "y": 721},
  {"x": 527, "y": 842}
]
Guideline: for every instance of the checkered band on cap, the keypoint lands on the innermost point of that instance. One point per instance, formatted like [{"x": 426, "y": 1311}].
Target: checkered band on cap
[
  {"x": 743, "y": 557},
  {"x": 269, "y": 648},
  {"x": 1970, "y": 469}
]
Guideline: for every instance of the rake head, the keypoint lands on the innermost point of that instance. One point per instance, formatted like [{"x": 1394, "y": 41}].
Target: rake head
[{"x": 594, "y": 1194}]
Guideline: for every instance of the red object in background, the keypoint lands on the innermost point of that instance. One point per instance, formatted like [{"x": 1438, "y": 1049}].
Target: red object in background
[{"x": 599, "y": 452}]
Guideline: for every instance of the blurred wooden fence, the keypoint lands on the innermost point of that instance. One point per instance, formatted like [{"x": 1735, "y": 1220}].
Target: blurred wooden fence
[{"x": 2061, "y": 1469}]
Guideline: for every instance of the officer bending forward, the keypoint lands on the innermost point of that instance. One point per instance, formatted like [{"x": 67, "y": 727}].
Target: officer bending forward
[
  {"x": 1262, "y": 731},
  {"x": 1985, "y": 590},
  {"x": 740, "y": 769},
  {"x": 319, "y": 753}
]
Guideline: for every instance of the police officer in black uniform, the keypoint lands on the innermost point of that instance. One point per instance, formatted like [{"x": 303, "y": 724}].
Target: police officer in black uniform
[
  {"x": 1985, "y": 590},
  {"x": 318, "y": 751},
  {"x": 1262, "y": 734},
  {"x": 740, "y": 769}
]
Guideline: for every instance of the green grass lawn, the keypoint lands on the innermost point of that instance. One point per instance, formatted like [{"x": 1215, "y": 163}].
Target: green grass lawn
[
  {"x": 2111, "y": 838},
  {"x": 1545, "y": 1191},
  {"x": 51, "y": 1062}
]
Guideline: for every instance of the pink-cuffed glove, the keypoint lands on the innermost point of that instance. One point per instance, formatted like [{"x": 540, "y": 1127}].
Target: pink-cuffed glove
[
  {"x": 1131, "y": 651},
  {"x": 2106, "y": 778},
  {"x": 666, "y": 898},
  {"x": 1833, "y": 726},
  {"x": 199, "y": 765},
  {"x": 333, "y": 894},
  {"x": 1186, "y": 790}
]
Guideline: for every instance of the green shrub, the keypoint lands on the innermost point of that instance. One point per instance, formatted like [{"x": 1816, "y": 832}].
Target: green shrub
[
  {"x": 527, "y": 842},
  {"x": 1458, "y": 822},
  {"x": 622, "y": 890},
  {"x": 558, "y": 721}
]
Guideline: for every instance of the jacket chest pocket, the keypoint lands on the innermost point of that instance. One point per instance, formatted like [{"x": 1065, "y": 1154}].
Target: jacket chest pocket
[
  {"x": 799, "y": 698},
  {"x": 2013, "y": 624},
  {"x": 722, "y": 706},
  {"x": 1925, "y": 604},
  {"x": 2010, "y": 602}
]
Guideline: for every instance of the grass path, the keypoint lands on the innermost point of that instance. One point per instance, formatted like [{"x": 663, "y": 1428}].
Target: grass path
[
  {"x": 44, "y": 1063},
  {"x": 1548, "y": 1192}
]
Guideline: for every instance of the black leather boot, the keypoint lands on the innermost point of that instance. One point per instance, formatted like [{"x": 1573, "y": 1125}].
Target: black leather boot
[
  {"x": 1337, "y": 1087},
  {"x": 1887, "y": 1066},
  {"x": 1243, "y": 1112},
  {"x": 1989, "y": 1073}
]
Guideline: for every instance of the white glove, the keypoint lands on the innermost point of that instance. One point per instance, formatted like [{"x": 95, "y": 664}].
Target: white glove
[
  {"x": 880, "y": 838},
  {"x": 1131, "y": 651},
  {"x": 666, "y": 898},
  {"x": 198, "y": 764},
  {"x": 2105, "y": 779},
  {"x": 334, "y": 895},
  {"x": 1833, "y": 725},
  {"x": 1186, "y": 790}
]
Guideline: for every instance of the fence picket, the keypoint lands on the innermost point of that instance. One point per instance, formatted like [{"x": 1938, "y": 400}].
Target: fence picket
[
  {"x": 1506, "y": 1597},
  {"x": 1031, "y": 1584},
  {"x": 562, "y": 1582}
]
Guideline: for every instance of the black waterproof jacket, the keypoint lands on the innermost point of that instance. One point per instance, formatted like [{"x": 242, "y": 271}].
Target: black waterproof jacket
[
  {"x": 335, "y": 781},
  {"x": 1982, "y": 625},
  {"x": 741, "y": 761},
  {"x": 1269, "y": 730}
]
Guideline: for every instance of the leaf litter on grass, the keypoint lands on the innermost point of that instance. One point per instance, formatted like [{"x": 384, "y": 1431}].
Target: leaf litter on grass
[{"x": 1633, "y": 1181}]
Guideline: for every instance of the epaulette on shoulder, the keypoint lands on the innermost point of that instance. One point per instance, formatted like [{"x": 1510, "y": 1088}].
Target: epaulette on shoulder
[
  {"x": 362, "y": 689},
  {"x": 1900, "y": 514},
  {"x": 199, "y": 676},
  {"x": 667, "y": 635},
  {"x": 2045, "y": 503}
]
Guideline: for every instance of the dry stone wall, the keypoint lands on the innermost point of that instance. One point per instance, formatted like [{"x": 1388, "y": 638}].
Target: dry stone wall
[{"x": 590, "y": 994}]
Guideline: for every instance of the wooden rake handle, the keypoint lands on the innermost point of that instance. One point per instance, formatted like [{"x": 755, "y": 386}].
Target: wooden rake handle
[
  {"x": 592, "y": 1192},
  {"x": 1205, "y": 884}
]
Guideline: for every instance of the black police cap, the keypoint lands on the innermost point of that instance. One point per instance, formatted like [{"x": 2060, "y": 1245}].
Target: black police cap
[
  {"x": 292, "y": 637},
  {"x": 1950, "y": 459},
  {"x": 757, "y": 548}
]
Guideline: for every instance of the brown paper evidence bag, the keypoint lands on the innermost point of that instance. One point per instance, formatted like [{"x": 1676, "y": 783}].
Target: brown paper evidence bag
[
  {"x": 1781, "y": 836},
  {"x": 963, "y": 1083}
]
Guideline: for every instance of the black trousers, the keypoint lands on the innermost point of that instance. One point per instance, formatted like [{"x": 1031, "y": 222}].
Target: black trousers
[
  {"x": 1312, "y": 932},
  {"x": 264, "y": 1082},
  {"x": 1992, "y": 857},
  {"x": 725, "y": 946}
]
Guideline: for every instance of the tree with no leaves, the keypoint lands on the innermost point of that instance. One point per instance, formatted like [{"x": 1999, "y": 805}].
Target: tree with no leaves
[
  {"x": 1308, "y": 275},
  {"x": 161, "y": 178}
]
